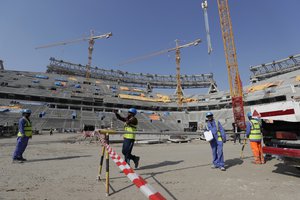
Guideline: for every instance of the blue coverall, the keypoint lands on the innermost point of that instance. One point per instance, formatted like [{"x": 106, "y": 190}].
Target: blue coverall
[
  {"x": 21, "y": 141},
  {"x": 217, "y": 146}
]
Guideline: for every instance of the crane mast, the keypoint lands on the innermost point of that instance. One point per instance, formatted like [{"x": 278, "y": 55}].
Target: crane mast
[
  {"x": 178, "y": 88},
  {"x": 236, "y": 90},
  {"x": 91, "y": 48}
]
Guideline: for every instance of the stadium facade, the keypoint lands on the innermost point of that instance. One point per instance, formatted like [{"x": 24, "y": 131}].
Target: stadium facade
[{"x": 62, "y": 98}]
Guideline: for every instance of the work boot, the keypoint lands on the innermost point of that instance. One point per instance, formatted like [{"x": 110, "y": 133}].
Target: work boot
[
  {"x": 23, "y": 159},
  {"x": 222, "y": 169},
  {"x": 214, "y": 166},
  {"x": 136, "y": 162},
  {"x": 17, "y": 161}
]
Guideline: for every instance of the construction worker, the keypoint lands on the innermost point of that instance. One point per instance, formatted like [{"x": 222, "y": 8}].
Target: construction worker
[
  {"x": 219, "y": 137},
  {"x": 130, "y": 127},
  {"x": 25, "y": 132},
  {"x": 253, "y": 132},
  {"x": 236, "y": 131}
]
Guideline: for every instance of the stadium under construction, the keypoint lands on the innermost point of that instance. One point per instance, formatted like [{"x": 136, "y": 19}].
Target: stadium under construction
[{"x": 63, "y": 99}]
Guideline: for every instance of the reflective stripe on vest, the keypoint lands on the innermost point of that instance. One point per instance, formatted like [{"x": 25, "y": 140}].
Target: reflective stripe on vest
[
  {"x": 218, "y": 131},
  {"x": 255, "y": 133},
  {"x": 27, "y": 129},
  {"x": 130, "y": 129}
]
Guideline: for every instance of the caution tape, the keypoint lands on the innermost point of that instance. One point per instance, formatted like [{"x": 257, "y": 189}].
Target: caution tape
[{"x": 144, "y": 187}]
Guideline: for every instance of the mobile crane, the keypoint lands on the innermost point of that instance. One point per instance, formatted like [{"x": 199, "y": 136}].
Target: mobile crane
[{"x": 235, "y": 84}]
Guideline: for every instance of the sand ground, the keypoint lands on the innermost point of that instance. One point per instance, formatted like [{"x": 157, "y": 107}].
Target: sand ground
[{"x": 58, "y": 168}]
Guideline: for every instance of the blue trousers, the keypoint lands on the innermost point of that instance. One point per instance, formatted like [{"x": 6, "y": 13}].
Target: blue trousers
[
  {"x": 217, "y": 153},
  {"x": 127, "y": 149},
  {"x": 20, "y": 147}
]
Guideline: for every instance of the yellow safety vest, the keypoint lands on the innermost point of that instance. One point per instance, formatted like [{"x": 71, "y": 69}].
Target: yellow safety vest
[
  {"x": 255, "y": 133},
  {"x": 130, "y": 131},
  {"x": 27, "y": 129},
  {"x": 218, "y": 131}
]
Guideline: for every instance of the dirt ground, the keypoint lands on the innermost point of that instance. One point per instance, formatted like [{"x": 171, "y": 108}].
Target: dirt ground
[{"x": 58, "y": 168}]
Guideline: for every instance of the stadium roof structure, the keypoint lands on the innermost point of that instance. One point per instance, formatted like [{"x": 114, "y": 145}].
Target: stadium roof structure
[
  {"x": 275, "y": 68},
  {"x": 133, "y": 79}
]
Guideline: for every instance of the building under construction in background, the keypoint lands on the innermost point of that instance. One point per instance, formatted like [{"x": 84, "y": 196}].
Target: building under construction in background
[{"x": 63, "y": 99}]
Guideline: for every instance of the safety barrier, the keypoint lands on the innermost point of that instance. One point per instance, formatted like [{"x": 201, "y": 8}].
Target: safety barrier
[{"x": 144, "y": 187}]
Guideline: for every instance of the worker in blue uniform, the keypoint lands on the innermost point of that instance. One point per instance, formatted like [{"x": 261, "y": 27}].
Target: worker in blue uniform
[
  {"x": 25, "y": 132},
  {"x": 219, "y": 137},
  {"x": 130, "y": 126}
]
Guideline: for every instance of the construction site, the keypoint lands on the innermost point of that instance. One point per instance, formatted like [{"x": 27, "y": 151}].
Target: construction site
[{"x": 78, "y": 118}]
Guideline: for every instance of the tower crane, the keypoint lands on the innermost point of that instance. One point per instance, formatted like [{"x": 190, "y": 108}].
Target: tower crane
[
  {"x": 91, "y": 41},
  {"x": 179, "y": 92},
  {"x": 235, "y": 84}
]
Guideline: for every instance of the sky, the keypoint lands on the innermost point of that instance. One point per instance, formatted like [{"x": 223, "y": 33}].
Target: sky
[{"x": 264, "y": 30}]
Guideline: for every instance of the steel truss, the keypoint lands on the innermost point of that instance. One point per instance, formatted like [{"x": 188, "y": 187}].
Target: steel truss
[
  {"x": 275, "y": 68},
  {"x": 133, "y": 79}
]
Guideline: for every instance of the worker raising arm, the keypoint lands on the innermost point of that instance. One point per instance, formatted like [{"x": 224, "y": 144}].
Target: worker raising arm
[{"x": 130, "y": 126}]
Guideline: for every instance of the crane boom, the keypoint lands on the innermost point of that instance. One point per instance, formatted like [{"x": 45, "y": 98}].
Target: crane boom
[
  {"x": 236, "y": 90},
  {"x": 194, "y": 43},
  {"x": 107, "y": 35},
  {"x": 177, "y": 50},
  {"x": 204, "y": 8},
  {"x": 91, "y": 40},
  {"x": 61, "y": 43}
]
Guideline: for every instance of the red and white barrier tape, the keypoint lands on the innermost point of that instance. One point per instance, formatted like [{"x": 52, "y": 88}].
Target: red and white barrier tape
[{"x": 144, "y": 187}]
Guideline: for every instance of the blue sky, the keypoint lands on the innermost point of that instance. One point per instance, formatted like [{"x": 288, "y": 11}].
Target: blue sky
[{"x": 264, "y": 30}]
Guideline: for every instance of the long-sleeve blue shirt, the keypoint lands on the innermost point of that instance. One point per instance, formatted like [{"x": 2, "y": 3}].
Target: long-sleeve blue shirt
[
  {"x": 211, "y": 125},
  {"x": 22, "y": 123},
  {"x": 248, "y": 128}
]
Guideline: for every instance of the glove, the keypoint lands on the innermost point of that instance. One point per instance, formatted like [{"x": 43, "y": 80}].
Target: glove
[{"x": 224, "y": 141}]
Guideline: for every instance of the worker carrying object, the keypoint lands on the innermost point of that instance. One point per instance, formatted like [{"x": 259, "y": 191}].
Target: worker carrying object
[
  {"x": 130, "y": 127},
  {"x": 253, "y": 132},
  {"x": 219, "y": 137},
  {"x": 25, "y": 132}
]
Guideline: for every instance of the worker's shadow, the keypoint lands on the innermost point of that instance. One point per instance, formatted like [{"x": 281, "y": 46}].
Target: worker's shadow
[
  {"x": 233, "y": 162},
  {"x": 57, "y": 158},
  {"x": 160, "y": 164},
  {"x": 287, "y": 170}
]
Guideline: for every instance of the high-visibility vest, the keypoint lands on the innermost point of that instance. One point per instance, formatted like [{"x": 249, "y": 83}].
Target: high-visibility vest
[
  {"x": 218, "y": 131},
  {"x": 255, "y": 133},
  {"x": 27, "y": 129},
  {"x": 130, "y": 131}
]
